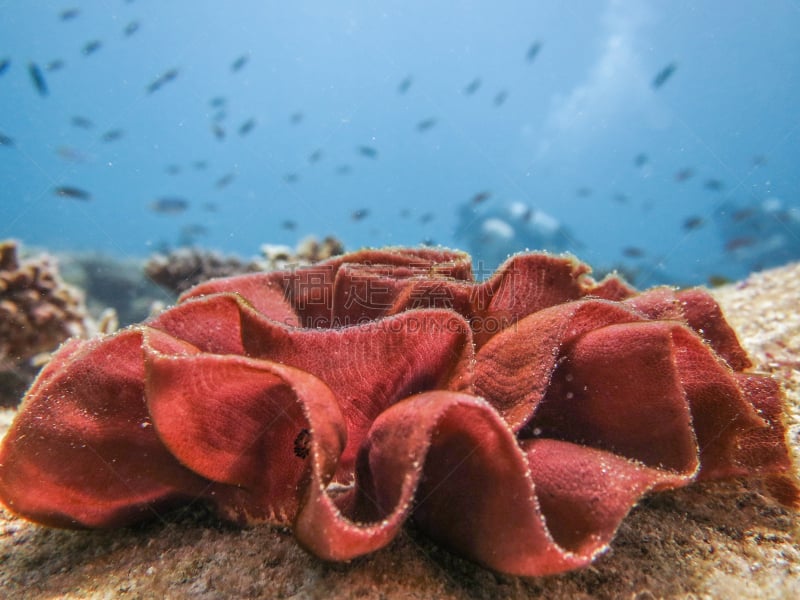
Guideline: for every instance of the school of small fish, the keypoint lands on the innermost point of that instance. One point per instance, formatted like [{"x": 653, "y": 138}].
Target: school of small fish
[{"x": 483, "y": 223}]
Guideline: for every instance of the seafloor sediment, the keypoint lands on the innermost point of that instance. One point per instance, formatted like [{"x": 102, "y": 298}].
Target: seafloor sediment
[{"x": 709, "y": 540}]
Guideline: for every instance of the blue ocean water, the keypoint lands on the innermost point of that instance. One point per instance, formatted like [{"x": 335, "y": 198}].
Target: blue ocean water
[{"x": 656, "y": 137}]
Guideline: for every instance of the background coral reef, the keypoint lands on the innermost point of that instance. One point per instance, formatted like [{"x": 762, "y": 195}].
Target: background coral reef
[
  {"x": 38, "y": 311},
  {"x": 181, "y": 269}
]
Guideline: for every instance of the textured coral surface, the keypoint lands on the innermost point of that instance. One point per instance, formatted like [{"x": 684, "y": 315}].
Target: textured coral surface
[
  {"x": 515, "y": 421},
  {"x": 38, "y": 311}
]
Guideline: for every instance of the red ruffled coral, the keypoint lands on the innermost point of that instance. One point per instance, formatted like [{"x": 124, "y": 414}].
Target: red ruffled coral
[{"x": 516, "y": 420}]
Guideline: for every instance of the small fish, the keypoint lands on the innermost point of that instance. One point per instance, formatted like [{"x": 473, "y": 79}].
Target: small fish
[
  {"x": 224, "y": 181},
  {"x": 742, "y": 214},
  {"x": 112, "y": 135},
  {"x": 633, "y": 252},
  {"x": 428, "y": 242},
  {"x": 69, "y": 14},
  {"x": 663, "y": 75},
  {"x": 426, "y": 217},
  {"x": 404, "y": 85},
  {"x": 583, "y": 192},
  {"x": 343, "y": 170},
  {"x": 163, "y": 79},
  {"x": 54, "y": 65},
  {"x": 693, "y": 222},
  {"x": 220, "y": 116},
  {"x": 194, "y": 230},
  {"x": 91, "y": 47},
  {"x": 4, "y": 64},
  {"x": 713, "y": 185},
  {"x": 247, "y": 127},
  {"x": 533, "y": 51},
  {"x": 315, "y": 156},
  {"x": 218, "y": 131},
  {"x": 186, "y": 237},
  {"x": 38, "y": 79},
  {"x": 170, "y": 75},
  {"x": 239, "y": 63},
  {"x": 296, "y": 118},
  {"x": 684, "y": 174},
  {"x": 480, "y": 198},
  {"x": 70, "y": 154},
  {"x": 360, "y": 214},
  {"x": 718, "y": 280},
  {"x": 289, "y": 225},
  {"x": 131, "y": 28},
  {"x": 209, "y": 206},
  {"x": 5, "y": 140},
  {"x": 169, "y": 205},
  {"x": 640, "y": 160},
  {"x": 500, "y": 98},
  {"x": 200, "y": 165},
  {"x": 217, "y": 101},
  {"x": 759, "y": 160},
  {"x": 68, "y": 191},
  {"x": 472, "y": 86},
  {"x": 367, "y": 151},
  {"x": 620, "y": 198},
  {"x": 172, "y": 169},
  {"x": 291, "y": 178},
  {"x": 405, "y": 213},
  {"x": 154, "y": 86},
  {"x": 426, "y": 124},
  {"x": 81, "y": 122},
  {"x": 738, "y": 243}
]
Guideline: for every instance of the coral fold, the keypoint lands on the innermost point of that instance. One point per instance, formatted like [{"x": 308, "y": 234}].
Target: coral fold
[{"x": 515, "y": 421}]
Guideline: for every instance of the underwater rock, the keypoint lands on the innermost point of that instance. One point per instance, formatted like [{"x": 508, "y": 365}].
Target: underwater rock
[
  {"x": 515, "y": 421},
  {"x": 38, "y": 311}
]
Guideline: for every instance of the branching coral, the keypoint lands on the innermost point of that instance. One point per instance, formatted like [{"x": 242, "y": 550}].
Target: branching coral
[
  {"x": 38, "y": 311},
  {"x": 516, "y": 420}
]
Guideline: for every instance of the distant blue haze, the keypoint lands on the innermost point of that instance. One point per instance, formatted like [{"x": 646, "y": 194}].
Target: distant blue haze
[{"x": 560, "y": 133}]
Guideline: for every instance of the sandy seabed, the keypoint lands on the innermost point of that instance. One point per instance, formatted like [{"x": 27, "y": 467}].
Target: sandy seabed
[{"x": 720, "y": 540}]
